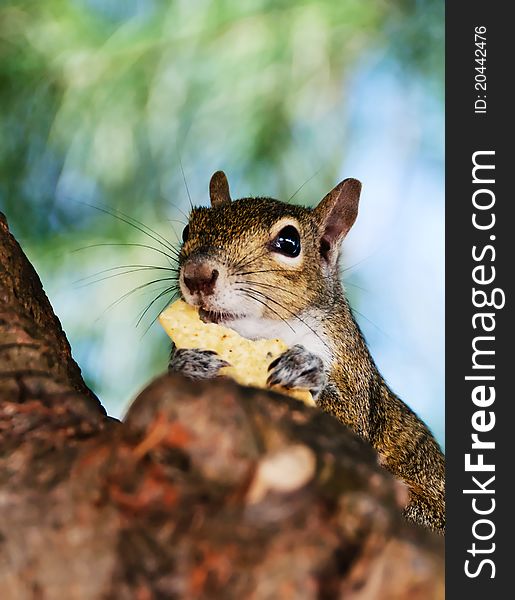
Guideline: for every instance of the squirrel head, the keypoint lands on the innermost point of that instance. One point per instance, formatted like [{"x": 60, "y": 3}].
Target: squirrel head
[{"x": 262, "y": 258}]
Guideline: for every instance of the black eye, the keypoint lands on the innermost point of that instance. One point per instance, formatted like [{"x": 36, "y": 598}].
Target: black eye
[
  {"x": 287, "y": 242},
  {"x": 185, "y": 233}
]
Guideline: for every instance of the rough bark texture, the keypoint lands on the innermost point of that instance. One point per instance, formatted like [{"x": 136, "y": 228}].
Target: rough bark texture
[{"x": 205, "y": 491}]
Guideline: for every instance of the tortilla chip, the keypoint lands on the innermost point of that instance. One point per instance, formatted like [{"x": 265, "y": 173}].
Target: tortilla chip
[{"x": 248, "y": 359}]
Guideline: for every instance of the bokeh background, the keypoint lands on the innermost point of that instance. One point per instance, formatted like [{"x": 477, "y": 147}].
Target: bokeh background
[{"x": 102, "y": 100}]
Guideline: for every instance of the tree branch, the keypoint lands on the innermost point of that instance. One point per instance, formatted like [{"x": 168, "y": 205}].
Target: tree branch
[{"x": 207, "y": 490}]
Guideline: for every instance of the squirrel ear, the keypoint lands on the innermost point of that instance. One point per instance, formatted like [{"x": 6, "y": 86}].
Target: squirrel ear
[
  {"x": 219, "y": 189},
  {"x": 337, "y": 213}
]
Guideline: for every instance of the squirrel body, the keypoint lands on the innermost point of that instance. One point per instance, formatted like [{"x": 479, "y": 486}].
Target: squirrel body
[{"x": 271, "y": 269}]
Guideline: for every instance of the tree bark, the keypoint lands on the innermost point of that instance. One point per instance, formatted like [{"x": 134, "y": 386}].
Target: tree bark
[{"x": 206, "y": 490}]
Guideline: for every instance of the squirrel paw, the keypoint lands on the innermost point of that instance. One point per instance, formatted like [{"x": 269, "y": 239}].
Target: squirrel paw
[
  {"x": 196, "y": 364},
  {"x": 297, "y": 367}
]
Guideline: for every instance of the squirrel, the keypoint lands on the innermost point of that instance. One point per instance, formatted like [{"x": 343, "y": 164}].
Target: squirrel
[{"x": 267, "y": 269}]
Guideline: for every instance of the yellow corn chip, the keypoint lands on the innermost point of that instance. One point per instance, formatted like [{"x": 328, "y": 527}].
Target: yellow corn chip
[{"x": 249, "y": 359}]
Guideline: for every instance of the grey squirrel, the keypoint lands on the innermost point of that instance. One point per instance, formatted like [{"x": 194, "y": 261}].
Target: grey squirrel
[{"x": 270, "y": 269}]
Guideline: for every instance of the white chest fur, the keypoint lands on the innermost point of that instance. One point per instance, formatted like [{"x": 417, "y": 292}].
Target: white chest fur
[{"x": 292, "y": 331}]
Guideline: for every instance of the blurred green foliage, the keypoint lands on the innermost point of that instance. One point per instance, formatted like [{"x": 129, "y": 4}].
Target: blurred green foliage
[
  {"x": 99, "y": 97},
  {"x": 101, "y": 100}
]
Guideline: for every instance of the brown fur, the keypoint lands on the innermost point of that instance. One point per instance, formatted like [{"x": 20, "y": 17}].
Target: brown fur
[{"x": 237, "y": 235}]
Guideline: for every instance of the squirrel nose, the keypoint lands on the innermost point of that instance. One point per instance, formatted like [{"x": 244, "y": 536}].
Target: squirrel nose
[{"x": 200, "y": 278}]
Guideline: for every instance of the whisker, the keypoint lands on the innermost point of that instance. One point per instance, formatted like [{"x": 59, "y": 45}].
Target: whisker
[
  {"x": 263, "y": 271},
  {"x": 356, "y": 264},
  {"x": 269, "y": 285},
  {"x": 138, "y": 225},
  {"x": 294, "y": 315},
  {"x": 172, "y": 258},
  {"x": 168, "y": 301},
  {"x": 263, "y": 294},
  {"x": 162, "y": 240},
  {"x": 187, "y": 217},
  {"x": 170, "y": 288},
  {"x": 239, "y": 264},
  {"x": 177, "y": 220},
  {"x": 306, "y": 182},
  {"x": 295, "y": 294},
  {"x": 354, "y": 311},
  {"x": 249, "y": 294},
  {"x": 130, "y": 269},
  {"x": 174, "y": 229},
  {"x": 185, "y": 182},
  {"x": 345, "y": 283},
  {"x": 87, "y": 284},
  {"x": 359, "y": 287},
  {"x": 139, "y": 287}
]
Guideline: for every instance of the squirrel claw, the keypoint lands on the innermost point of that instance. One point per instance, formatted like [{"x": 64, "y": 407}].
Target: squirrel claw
[
  {"x": 196, "y": 364},
  {"x": 274, "y": 363},
  {"x": 273, "y": 381}
]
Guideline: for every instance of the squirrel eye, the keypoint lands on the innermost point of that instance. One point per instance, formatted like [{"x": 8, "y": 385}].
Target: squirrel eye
[
  {"x": 287, "y": 242},
  {"x": 185, "y": 233}
]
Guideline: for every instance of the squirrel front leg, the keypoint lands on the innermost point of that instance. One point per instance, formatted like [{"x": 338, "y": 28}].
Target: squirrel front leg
[
  {"x": 298, "y": 368},
  {"x": 195, "y": 363},
  {"x": 348, "y": 409}
]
